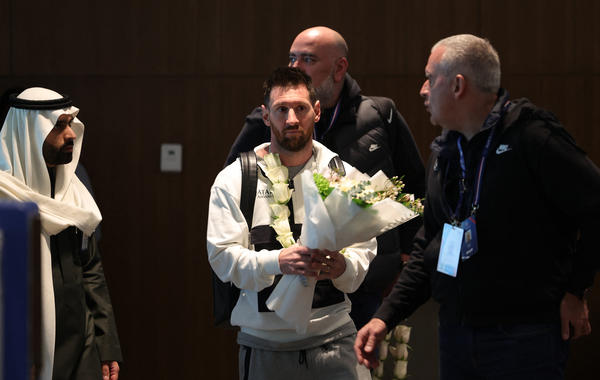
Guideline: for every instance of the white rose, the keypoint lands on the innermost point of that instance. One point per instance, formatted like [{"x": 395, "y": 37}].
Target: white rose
[
  {"x": 401, "y": 351},
  {"x": 277, "y": 174},
  {"x": 281, "y": 226},
  {"x": 272, "y": 160},
  {"x": 279, "y": 211},
  {"x": 400, "y": 369},
  {"x": 378, "y": 372},
  {"x": 383, "y": 350},
  {"x": 286, "y": 239},
  {"x": 393, "y": 351},
  {"x": 281, "y": 192},
  {"x": 402, "y": 333}
]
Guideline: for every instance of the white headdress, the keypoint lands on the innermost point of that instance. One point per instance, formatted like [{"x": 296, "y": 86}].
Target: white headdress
[
  {"x": 33, "y": 114},
  {"x": 24, "y": 177}
]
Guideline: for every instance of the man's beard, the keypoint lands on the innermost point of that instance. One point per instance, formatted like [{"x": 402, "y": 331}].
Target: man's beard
[
  {"x": 291, "y": 144},
  {"x": 59, "y": 156},
  {"x": 325, "y": 91}
]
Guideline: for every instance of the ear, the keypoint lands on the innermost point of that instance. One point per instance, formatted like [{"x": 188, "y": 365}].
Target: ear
[
  {"x": 340, "y": 69},
  {"x": 317, "y": 108},
  {"x": 459, "y": 86},
  {"x": 265, "y": 115}
]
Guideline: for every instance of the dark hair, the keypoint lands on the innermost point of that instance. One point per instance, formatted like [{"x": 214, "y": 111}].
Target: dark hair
[{"x": 288, "y": 77}]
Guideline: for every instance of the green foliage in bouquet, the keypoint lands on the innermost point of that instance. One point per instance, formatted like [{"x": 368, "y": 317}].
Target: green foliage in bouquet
[
  {"x": 363, "y": 194},
  {"x": 323, "y": 185}
]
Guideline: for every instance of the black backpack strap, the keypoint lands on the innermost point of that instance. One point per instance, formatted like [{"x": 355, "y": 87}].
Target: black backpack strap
[
  {"x": 225, "y": 295},
  {"x": 249, "y": 181}
]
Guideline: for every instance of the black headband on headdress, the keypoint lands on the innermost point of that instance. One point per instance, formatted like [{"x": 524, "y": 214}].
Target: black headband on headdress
[{"x": 53, "y": 104}]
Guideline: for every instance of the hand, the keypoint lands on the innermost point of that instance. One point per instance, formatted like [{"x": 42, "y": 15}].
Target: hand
[
  {"x": 574, "y": 312},
  {"x": 110, "y": 370},
  {"x": 329, "y": 264},
  {"x": 367, "y": 340},
  {"x": 297, "y": 260}
]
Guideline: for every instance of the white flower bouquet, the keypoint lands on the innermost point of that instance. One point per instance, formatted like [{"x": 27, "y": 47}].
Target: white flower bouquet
[
  {"x": 339, "y": 212},
  {"x": 393, "y": 354},
  {"x": 359, "y": 208}
]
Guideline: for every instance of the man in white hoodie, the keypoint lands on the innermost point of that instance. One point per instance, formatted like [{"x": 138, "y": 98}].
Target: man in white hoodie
[
  {"x": 40, "y": 145},
  {"x": 254, "y": 259}
]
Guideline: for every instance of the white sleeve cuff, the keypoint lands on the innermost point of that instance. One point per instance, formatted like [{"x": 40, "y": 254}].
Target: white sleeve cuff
[
  {"x": 269, "y": 261},
  {"x": 347, "y": 278}
]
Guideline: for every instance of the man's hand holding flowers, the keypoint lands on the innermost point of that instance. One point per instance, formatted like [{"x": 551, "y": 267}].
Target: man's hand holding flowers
[
  {"x": 331, "y": 264},
  {"x": 322, "y": 264},
  {"x": 298, "y": 260}
]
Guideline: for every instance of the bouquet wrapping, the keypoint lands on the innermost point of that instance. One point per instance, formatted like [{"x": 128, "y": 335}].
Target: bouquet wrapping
[{"x": 333, "y": 223}]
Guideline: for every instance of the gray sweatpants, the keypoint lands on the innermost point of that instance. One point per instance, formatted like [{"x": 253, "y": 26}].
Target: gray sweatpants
[{"x": 330, "y": 361}]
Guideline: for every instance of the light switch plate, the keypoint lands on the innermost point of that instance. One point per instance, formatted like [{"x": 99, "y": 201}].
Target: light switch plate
[{"x": 170, "y": 157}]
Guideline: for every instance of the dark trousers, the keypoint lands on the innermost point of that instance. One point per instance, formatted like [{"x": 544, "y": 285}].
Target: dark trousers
[
  {"x": 515, "y": 352},
  {"x": 364, "y": 305}
]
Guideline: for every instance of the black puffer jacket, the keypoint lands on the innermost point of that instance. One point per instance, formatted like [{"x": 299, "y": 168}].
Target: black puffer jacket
[
  {"x": 370, "y": 134},
  {"x": 536, "y": 225}
]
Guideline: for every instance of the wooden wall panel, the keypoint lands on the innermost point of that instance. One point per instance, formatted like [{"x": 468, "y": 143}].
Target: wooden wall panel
[
  {"x": 163, "y": 215},
  {"x": 5, "y": 37},
  {"x": 394, "y": 37},
  {"x": 239, "y": 96},
  {"x": 49, "y": 38},
  {"x": 405, "y": 93},
  {"x": 587, "y": 34},
  {"x": 534, "y": 36},
  {"x": 257, "y": 35},
  {"x": 112, "y": 38},
  {"x": 573, "y": 99},
  {"x": 188, "y": 71}
]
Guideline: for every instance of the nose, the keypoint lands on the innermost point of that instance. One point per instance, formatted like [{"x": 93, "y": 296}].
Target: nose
[
  {"x": 70, "y": 133},
  {"x": 291, "y": 117},
  {"x": 424, "y": 89},
  {"x": 296, "y": 64}
]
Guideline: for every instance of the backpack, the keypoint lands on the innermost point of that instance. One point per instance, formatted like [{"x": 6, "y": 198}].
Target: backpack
[{"x": 225, "y": 294}]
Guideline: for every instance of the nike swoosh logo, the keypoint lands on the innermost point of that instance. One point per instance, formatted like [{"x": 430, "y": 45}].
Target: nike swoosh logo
[
  {"x": 503, "y": 149},
  {"x": 373, "y": 147},
  {"x": 389, "y": 120}
]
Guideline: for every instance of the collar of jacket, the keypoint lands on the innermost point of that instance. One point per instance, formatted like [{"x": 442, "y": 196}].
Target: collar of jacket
[
  {"x": 448, "y": 138},
  {"x": 349, "y": 98}
]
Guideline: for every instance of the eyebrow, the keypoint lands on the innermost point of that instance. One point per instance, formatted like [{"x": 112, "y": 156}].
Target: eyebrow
[
  {"x": 290, "y": 103},
  {"x": 304, "y": 55},
  {"x": 67, "y": 121}
]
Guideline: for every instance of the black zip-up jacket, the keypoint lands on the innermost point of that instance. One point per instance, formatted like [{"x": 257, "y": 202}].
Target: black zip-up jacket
[
  {"x": 539, "y": 211},
  {"x": 369, "y": 138}
]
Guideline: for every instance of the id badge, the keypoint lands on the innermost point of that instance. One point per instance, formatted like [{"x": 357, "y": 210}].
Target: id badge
[
  {"x": 452, "y": 238},
  {"x": 469, "y": 245}
]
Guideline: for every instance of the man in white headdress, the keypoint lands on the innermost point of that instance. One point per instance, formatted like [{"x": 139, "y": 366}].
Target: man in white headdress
[{"x": 40, "y": 145}]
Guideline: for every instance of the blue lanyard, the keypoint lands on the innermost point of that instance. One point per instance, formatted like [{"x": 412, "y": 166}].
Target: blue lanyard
[
  {"x": 335, "y": 115},
  {"x": 463, "y": 173},
  {"x": 462, "y": 187},
  {"x": 482, "y": 161}
]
